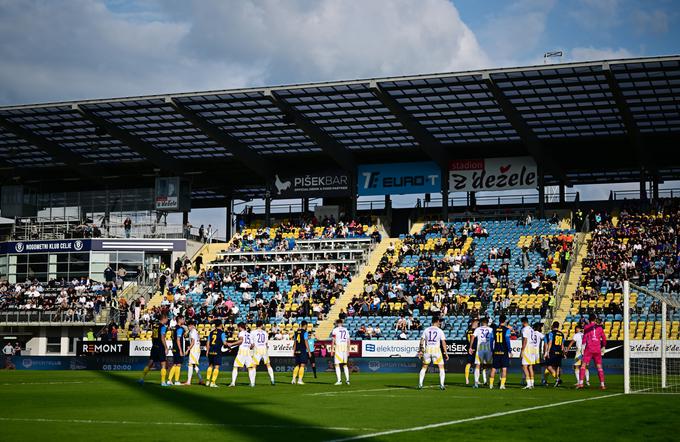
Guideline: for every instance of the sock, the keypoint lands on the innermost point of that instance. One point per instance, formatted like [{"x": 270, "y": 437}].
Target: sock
[
  {"x": 346, "y": 373},
  {"x": 502, "y": 381},
  {"x": 314, "y": 370},
  {"x": 215, "y": 372},
  {"x": 577, "y": 372},
  {"x": 476, "y": 375},
  {"x": 164, "y": 372},
  {"x": 584, "y": 373},
  {"x": 587, "y": 376},
  {"x": 208, "y": 374},
  {"x": 442, "y": 376},
  {"x": 546, "y": 372},
  {"x": 178, "y": 372},
  {"x": 198, "y": 373},
  {"x": 191, "y": 372},
  {"x": 484, "y": 375},
  {"x": 337, "y": 372},
  {"x": 467, "y": 373},
  {"x": 530, "y": 382},
  {"x": 301, "y": 373},
  {"x": 422, "y": 375},
  {"x": 147, "y": 369},
  {"x": 600, "y": 374},
  {"x": 234, "y": 374},
  {"x": 491, "y": 379},
  {"x": 251, "y": 376},
  {"x": 295, "y": 372},
  {"x": 270, "y": 370}
]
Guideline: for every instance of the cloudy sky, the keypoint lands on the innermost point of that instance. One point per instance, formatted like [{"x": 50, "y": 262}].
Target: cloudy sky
[{"x": 74, "y": 49}]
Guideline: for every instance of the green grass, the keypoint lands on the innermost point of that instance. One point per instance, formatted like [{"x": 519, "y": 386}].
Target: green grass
[{"x": 92, "y": 406}]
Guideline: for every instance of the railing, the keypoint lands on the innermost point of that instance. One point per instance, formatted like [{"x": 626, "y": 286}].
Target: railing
[
  {"x": 561, "y": 289},
  {"x": 617, "y": 195},
  {"x": 45, "y": 318}
]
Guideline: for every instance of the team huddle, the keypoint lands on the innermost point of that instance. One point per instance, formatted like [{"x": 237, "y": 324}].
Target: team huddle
[{"x": 489, "y": 347}]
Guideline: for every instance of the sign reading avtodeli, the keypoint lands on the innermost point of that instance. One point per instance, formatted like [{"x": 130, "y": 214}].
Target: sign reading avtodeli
[{"x": 492, "y": 174}]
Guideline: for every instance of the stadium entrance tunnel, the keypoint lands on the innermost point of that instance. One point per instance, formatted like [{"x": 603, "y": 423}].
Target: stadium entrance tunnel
[{"x": 228, "y": 416}]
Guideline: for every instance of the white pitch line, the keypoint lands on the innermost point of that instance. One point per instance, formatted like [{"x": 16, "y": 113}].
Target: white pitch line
[
  {"x": 182, "y": 424},
  {"x": 472, "y": 419}
]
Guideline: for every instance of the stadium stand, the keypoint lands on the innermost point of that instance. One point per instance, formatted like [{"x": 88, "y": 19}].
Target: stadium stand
[
  {"x": 460, "y": 270},
  {"x": 637, "y": 244},
  {"x": 281, "y": 275}
]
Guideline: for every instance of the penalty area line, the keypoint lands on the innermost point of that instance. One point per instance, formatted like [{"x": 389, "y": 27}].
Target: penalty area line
[
  {"x": 332, "y": 393},
  {"x": 472, "y": 419},
  {"x": 182, "y": 424}
]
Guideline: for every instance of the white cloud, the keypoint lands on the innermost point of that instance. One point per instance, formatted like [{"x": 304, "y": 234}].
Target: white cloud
[
  {"x": 591, "y": 53},
  {"x": 596, "y": 14},
  {"x": 652, "y": 22},
  {"x": 516, "y": 30},
  {"x": 81, "y": 49}
]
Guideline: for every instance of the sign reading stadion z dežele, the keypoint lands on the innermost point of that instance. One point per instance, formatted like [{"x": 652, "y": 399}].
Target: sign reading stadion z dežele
[
  {"x": 492, "y": 174},
  {"x": 398, "y": 178},
  {"x": 315, "y": 184}
]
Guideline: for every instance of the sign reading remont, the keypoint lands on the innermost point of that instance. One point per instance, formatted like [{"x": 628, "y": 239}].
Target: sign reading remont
[
  {"x": 492, "y": 174},
  {"x": 315, "y": 184}
]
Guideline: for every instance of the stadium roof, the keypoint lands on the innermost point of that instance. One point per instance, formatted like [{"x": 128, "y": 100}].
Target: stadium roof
[{"x": 584, "y": 123}]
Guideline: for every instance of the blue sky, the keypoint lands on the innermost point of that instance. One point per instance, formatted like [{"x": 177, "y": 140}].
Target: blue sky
[{"x": 55, "y": 50}]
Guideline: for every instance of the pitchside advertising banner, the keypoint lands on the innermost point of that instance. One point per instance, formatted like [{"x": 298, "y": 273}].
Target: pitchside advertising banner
[
  {"x": 399, "y": 178},
  {"x": 314, "y": 184},
  {"x": 492, "y": 174},
  {"x": 409, "y": 348}
]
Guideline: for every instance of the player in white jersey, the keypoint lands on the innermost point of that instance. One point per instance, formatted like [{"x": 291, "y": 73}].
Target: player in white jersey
[
  {"x": 483, "y": 339},
  {"x": 529, "y": 353},
  {"x": 577, "y": 343},
  {"x": 244, "y": 358},
  {"x": 260, "y": 349},
  {"x": 340, "y": 350},
  {"x": 194, "y": 352},
  {"x": 433, "y": 350}
]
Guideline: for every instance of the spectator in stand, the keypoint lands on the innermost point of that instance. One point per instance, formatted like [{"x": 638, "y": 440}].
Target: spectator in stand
[
  {"x": 127, "y": 227},
  {"x": 109, "y": 274}
]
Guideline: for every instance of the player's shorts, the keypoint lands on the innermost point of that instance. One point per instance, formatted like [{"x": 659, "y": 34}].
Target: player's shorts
[
  {"x": 483, "y": 357},
  {"x": 472, "y": 357},
  {"x": 501, "y": 361},
  {"x": 595, "y": 356},
  {"x": 194, "y": 357},
  {"x": 177, "y": 359},
  {"x": 554, "y": 361},
  {"x": 244, "y": 358},
  {"x": 301, "y": 358},
  {"x": 215, "y": 360},
  {"x": 530, "y": 358},
  {"x": 341, "y": 357},
  {"x": 261, "y": 354},
  {"x": 157, "y": 354},
  {"x": 433, "y": 356}
]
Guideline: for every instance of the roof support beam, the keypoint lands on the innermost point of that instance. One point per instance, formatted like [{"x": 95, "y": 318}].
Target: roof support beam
[
  {"x": 242, "y": 152},
  {"x": 629, "y": 123},
  {"x": 159, "y": 158},
  {"x": 529, "y": 139},
  {"x": 74, "y": 161},
  {"x": 329, "y": 145},
  {"x": 428, "y": 143}
]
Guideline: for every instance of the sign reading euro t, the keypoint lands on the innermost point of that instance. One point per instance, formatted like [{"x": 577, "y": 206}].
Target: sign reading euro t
[
  {"x": 172, "y": 194},
  {"x": 399, "y": 178},
  {"x": 311, "y": 185},
  {"x": 492, "y": 174}
]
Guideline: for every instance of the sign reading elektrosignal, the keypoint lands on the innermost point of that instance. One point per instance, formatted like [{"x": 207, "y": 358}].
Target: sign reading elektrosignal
[{"x": 492, "y": 174}]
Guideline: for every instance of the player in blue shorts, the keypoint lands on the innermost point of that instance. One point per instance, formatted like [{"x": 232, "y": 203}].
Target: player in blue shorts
[
  {"x": 301, "y": 352},
  {"x": 217, "y": 340},
  {"x": 471, "y": 356},
  {"x": 501, "y": 351},
  {"x": 159, "y": 350}
]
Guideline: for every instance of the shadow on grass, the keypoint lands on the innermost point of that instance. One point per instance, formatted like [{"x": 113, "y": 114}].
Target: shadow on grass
[{"x": 231, "y": 416}]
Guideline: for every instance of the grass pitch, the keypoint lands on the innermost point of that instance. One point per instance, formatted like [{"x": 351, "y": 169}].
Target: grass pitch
[{"x": 94, "y": 406}]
